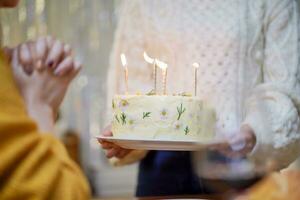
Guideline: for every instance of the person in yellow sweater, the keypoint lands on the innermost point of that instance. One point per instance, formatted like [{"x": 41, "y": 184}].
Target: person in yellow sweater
[{"x": 33, "y": 163}]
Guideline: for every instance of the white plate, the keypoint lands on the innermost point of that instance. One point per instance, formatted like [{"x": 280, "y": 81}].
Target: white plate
[{"x": 160, "y": 144}]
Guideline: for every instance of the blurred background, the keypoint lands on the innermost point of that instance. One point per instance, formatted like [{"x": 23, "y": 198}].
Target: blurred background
[{"x": 89, "y": 27}]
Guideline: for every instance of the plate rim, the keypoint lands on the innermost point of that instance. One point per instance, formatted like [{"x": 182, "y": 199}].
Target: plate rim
[
  {"x": 160, "y": 145},
  {"x": 112, "y": 138}
]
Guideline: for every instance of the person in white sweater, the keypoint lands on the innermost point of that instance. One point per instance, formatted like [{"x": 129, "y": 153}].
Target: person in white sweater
[{"x": 248, "y": 53}]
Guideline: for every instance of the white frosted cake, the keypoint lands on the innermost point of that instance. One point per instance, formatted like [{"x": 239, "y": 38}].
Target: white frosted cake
[{"x": 179, "y": 118}]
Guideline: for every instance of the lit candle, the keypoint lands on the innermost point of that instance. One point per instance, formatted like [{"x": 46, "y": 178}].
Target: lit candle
[
  {"x": 164, "y": 70},
  {"x": 124, "y": 63},
  {"x": 196, "y": 66},
  {"x": 154, "y": 71}
]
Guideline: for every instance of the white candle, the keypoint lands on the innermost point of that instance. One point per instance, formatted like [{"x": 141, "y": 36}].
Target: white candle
[
  {"x": 155, "y": 76},
  {"x": 164, "y": 82},
  {"x": 124, "y": 63},
  {"x": 164, "y": 70},
  {"x": 154, "y": 70},
  {"x": 196, "y": 66}
]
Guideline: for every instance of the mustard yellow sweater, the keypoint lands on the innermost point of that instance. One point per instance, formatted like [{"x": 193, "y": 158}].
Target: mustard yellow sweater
[{"x": 32, "y": 165}]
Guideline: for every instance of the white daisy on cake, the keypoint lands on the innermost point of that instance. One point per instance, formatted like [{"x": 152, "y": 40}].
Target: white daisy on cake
[{"x": 164, "y": 113}]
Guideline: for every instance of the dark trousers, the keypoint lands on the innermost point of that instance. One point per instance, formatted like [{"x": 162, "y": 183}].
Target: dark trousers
[{"x": 168, "y": 173}]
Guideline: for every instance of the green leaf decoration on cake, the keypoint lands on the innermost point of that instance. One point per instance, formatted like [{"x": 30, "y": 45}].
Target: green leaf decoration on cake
[
  {"x": 186, "y": 130},
  {"x": 117, "y": 118},
  {"x": 113, "y": 104},
  {"x": 151, "y": 93},
  {"x": 164, "y": 114},
  {"x": 180, "y": 111},
  {"x": 123, "y": 118},
  {"x": 146, "y": 114}
]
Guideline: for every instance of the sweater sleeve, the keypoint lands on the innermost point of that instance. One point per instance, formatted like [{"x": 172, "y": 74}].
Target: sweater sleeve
[
  {"x": 32, "y": 165},
  {"x": 273, "y": 106},
  {"x": 130, "y": 40}
]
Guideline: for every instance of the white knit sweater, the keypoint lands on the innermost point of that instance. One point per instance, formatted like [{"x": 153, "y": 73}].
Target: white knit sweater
[{"x": 248, "y": 52}]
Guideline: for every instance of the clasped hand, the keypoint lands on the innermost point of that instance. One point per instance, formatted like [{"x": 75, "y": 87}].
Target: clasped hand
[{"x": 43, "y": 70}]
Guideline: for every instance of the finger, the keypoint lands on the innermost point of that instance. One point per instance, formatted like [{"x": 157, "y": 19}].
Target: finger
[
  {"x": 107, "y": 145},
  {"x": 248, "y": 149},
  {"x": 15, "y": 60},
  {"x": 235, "y": 153},
  {"x": 50, "y": 41},
  {"x": 24, "y": 54},
  {"x": 123, "y": 153},
  {"x": 103, "y": 141},
  {"x": 76, "y": 69},
  {"x": 17, "y": 69},
  {"x": 67, "y": 50},
  {"x": 219, "y": 147},
  {"x": 25, "y": 58},
  {"x": 55, "y": 54},
  {"x": 64, "y": 67},
  {"x": 237, "y": 143},
  {"x": 250, "y": 138},
  {"x": 242, "y": 144},
  {"x": 41, "y": 53},
  {"x": 107, "y": 131},
  {"x": 33, "y": 54},
  {"x": 120, "y": 153},
  {"x": 225, "y": 149},
  {"x": 112, "y": 153},
  {"x": 248, "y": 133}
]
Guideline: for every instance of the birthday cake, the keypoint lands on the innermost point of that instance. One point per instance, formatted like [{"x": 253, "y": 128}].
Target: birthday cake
[{"x": 161, "y": 117}]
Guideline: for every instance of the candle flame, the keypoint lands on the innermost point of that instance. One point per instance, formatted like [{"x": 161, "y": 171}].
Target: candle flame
[
  {"x": 196, "y": 65},
  {"x": 161, "y": 64},
  {"x": 147, "y": 58},
  {"x": 123, "y": 60}
]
